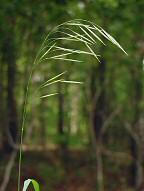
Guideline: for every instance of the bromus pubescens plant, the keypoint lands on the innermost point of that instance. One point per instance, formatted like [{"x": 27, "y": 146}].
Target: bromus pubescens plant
[{"x": 79, "y": 33}]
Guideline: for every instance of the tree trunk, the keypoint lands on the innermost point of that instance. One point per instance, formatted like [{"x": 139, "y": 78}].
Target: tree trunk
[
  {"x": 74, "y": 110},
  {"x": 136, "y": 151},
  {"x": 43, "y": 122},
  {"x": 2, "y": 105},
  {"x": 97, "y": 112},
  {"x": 9, "y": 57},
  {"x": 139, "y": 166},
  {"x": 97, "y": 152},
  {"x": 61, "y": 131},
  {"x": 99, "y": 107}
]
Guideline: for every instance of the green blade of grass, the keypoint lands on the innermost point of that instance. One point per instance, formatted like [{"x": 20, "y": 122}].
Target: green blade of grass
[
  {"x": 45, "y": 83},
  {"x": 71, "y": 82},
  {"x": 73, "y": 50},
  {"x": 82, "y": 36},
  {"x": 96, "y": 36},
  {"x": 96, "y": 56},
  {"x": 47, "y": 51},
  {"x": 87, "y": 34},
  {"x": 76, "y": 37},
  {"x": 41, "y": 97},
  {"x": 66, "y": 59},
  {"x": 27, "y": 183}
]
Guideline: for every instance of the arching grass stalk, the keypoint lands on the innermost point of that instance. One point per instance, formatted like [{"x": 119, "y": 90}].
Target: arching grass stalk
[
  {"x": 22, "y": 129},
  {"x": 75, "y": 32}
]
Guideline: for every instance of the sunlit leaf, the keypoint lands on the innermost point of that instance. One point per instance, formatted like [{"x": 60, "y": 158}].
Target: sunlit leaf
[{"x": 27, "y": 183}]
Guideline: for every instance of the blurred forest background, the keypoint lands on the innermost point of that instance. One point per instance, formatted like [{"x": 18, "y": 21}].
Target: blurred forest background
[{"x": 90, "y": 136}]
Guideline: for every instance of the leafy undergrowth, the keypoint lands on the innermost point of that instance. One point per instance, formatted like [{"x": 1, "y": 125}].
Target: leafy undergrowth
[{"x": 74, "y": 172}]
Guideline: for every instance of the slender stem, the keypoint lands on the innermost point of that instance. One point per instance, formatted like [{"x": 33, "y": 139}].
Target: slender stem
[
  {"x": 25, "y": 113},
  {"x": 23, "y": 124}
]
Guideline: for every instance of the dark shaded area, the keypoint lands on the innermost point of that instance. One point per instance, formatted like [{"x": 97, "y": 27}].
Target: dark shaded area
[{"x": 77, "y": 174}]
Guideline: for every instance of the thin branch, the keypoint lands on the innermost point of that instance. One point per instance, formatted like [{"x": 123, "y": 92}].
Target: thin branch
[
  {"x": 8, "y": 171},
  {"x": 128, "y": 127}
]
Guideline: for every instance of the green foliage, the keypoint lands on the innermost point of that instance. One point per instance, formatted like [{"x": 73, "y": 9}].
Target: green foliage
[
  {"x": 23, "y": 22},
  {"x": 28, "y": 182}
]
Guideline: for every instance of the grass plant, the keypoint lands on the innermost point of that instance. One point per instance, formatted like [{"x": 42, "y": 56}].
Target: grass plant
[{"x": 74, "y": 32}]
